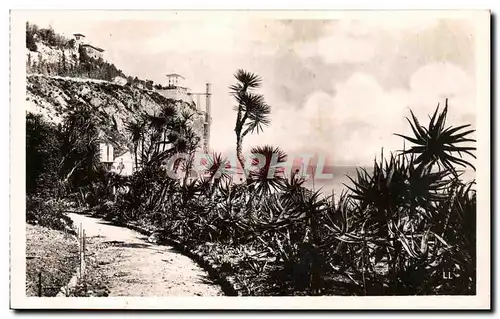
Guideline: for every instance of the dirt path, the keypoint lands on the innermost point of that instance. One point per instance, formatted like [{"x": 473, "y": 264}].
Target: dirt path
[{"x": 131, "y": 266}]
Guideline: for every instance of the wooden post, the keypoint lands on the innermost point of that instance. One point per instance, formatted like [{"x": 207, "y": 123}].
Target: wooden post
[
  {"x": 40, "y": 284},
  {"x": 82, "y": 257},
  {"x": 80, "y": 242},
  {"x": 80, "y": 248}
]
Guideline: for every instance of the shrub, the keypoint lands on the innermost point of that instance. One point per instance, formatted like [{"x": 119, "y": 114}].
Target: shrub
[
  {"x": 47, "y": 213},
  {"x": 42, "y": 157}
]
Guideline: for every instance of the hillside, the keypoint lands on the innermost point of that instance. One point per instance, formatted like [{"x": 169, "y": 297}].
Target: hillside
[
  {"x": 113, "y": 104},
  {"x": 50, "y": 53}
]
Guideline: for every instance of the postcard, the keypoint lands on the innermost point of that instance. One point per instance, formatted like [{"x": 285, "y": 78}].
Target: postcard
[{"x": 250, "y": 159}]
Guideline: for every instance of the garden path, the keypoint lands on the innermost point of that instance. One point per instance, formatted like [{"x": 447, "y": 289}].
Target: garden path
[{"x": 132, "y": 266}]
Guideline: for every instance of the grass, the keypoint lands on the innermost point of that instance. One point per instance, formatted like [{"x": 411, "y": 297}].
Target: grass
[{"x": 52, "y": 253}]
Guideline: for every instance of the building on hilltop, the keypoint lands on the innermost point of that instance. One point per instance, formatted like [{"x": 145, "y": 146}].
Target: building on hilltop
[
  {"x": 78, "y": 38},
  {"x": 92, "y": 51},
  {"x": 175, "y": 88},
  {"x": 175, "y": 80}
]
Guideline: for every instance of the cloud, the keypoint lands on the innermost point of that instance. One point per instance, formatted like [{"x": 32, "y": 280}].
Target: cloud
[
  {"x": 339, "y": 48},
  {"x": 441, "y": 78},
  {"x": 187, "y": 36},
  {"x": 338, "y": 44},
  {"x": 352, "y": 125},
  {"x": 358, "y": 41},
  {"x": 341, "y": 87},
  {"x": 395, "y": 24}
]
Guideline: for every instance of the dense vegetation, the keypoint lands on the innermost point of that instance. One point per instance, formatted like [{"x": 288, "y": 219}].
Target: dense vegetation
[
  {"x": 394, "y": 231},
  {"x": 72, "y": 61},
  {"x": 47, "y": 36},
  {"x": 61, "y": 160}
]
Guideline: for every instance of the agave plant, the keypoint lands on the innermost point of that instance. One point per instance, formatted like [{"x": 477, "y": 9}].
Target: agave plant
[
  {"x": 292, "y": 189},
  {"x": 230, "y": 210},
  {"x": 458, "y": 229},
  {"x": 397, "y": 184},
  {"x": 437, "y": 144}
]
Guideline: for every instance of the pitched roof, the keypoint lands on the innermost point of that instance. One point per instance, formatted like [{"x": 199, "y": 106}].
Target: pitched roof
[
  {"x": 93, "y": 47},
  {"x": 78, "y": 34},
  {"x": 176, "y": 75}
]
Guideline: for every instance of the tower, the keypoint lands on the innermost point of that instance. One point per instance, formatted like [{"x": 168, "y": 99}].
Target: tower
[
  {"x": 208, "y": 120},
  {"x": 78, "y": 39}
]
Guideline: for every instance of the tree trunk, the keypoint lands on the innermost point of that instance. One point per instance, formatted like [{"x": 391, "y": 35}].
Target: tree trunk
[
  {"x": 188, "y": 170},
  {"x": 239, "y": 151},
  {"x": 135, "y": 153},
  {"x": 72, "y": 171}
]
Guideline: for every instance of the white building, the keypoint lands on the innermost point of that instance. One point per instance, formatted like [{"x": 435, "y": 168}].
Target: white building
[
  {"x": 175, "y": 80},
  {"x": 78, "y": 39},
  {"x": 124, "y": 164},
  {"x": 92, "y": 51},
  {"x": 175, "y": 89}
]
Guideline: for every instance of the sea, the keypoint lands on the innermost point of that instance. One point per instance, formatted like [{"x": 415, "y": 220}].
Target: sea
[{"x": 338, "y": 179}]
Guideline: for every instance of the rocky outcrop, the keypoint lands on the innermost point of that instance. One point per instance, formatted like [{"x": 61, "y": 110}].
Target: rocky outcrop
[
  {"x": 50, "y": 60},
  {"x": 114, "y": 104}
]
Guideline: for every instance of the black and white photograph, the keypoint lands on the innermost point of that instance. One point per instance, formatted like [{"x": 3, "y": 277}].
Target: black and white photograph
[{"x": 227, "y": 155}]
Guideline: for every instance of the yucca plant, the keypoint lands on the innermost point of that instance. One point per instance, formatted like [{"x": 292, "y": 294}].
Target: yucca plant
[
  {"x": 395, "y": 203},
  {"x": 437, "y": 144},
  {"x": 268, "y": 178},
  {"x": 230, "y": 210},
  {"x": 252, "y": 111},
  {"x": 459, "y": 232},
  {"x": 216, "y": 166},
  {"x": 404, "y": 207},
  {"x": 293, "y": 189},
  {"x": 215, "y": 173}
]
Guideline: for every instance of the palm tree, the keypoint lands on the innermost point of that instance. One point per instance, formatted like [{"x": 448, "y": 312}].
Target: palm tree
[
  {"x": 168, "y": 127},
  {"x": 252, "y": 111},
  {"x": 81, "y": 153},
  {"x": 136, "y": 131}
]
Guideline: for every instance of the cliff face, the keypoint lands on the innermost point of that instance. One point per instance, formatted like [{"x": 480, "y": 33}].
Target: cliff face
[
  {"x": 114, "y": 105},
  {"x": 68, "y": 60},
  {"x": 51, "y": 61}
]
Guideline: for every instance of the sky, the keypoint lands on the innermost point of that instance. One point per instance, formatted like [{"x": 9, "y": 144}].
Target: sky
[{"x": 340, "y": 88}]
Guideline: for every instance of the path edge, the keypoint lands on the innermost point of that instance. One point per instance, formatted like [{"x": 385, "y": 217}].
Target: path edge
[{"x": 226, "y": 282}]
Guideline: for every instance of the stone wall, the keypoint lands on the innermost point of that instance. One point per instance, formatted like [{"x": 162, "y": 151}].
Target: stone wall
[{"x": 177, "y": 94}]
